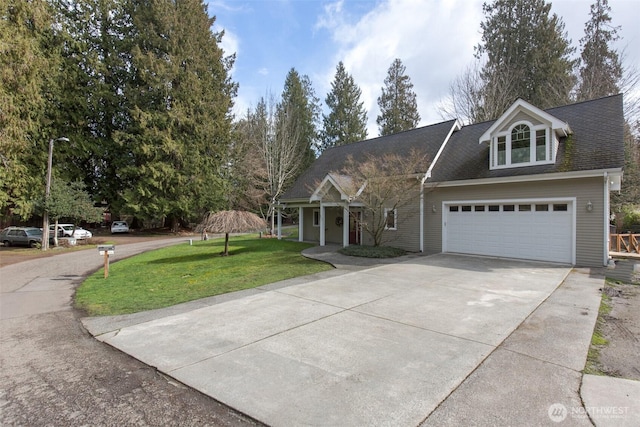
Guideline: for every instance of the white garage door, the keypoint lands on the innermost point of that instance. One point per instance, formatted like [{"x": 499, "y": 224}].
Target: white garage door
[{"x": 536, "y": 230}]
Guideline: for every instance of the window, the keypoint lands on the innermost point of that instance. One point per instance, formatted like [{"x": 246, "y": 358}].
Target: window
[
  {"x": 541, "y": 145},
  {"x": 316, "y": 217},
  {"x": 466, "y": 208},
  {"x": 542, "y": 208},
  {"x": 391, "y": 219},
  {"x": 509, "y": 208},
  {"x": 479, "y": 208},
  {"x": 494, "y": 208},
  {"x": 453, "y": 208},
  {"x": 560, "y": 207},
  {"x": 524, "y": 208},
  {"x": 502, "y": 150},
  {"x": 521, "y": 144}
]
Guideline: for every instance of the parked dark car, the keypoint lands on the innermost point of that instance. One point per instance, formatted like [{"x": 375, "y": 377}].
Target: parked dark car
[{"x": 21, "y": 236}]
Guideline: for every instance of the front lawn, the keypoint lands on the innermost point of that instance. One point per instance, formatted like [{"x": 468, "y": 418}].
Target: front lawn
[{"x": 183, "y": 273}]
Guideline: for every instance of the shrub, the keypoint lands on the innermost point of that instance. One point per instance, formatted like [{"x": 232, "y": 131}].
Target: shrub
[{"x": 372, "y": 251}]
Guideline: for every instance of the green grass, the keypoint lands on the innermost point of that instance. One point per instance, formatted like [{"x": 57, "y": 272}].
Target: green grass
[
  {"x": 598, "y": 341},
  {"x": 372, "y": 251},
  {"x": 183, "y": 273}
]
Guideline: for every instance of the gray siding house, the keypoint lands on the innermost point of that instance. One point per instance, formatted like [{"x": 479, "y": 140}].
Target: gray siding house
[{"x": 533, "y": 184}]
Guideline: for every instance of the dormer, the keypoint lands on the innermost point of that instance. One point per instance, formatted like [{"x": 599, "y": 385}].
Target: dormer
[{"x": 524, "y": 136}]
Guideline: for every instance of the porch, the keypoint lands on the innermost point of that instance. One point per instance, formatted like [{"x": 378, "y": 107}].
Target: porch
[{"x": 330, "y": 224}]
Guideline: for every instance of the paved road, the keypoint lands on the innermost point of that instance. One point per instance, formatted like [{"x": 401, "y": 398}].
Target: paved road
[{"x": 52, "y": 372}]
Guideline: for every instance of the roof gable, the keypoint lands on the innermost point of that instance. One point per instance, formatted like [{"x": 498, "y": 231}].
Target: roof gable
[
  {"x": 332, "y": 161},
  {"x": 343, "y": 184},
  {"x": 522, "y": 108}
]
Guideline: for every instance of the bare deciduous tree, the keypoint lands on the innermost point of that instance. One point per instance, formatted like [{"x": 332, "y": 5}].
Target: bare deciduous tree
[
  {"x": 472, "y": 100},
  {"x": 384, "y": 184},
  {"x": 281, "y": 152}
]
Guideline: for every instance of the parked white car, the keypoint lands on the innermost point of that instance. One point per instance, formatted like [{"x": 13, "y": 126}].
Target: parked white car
[
  {"x": 119, "y": 227},
  {"x": 67, "y": 230}
]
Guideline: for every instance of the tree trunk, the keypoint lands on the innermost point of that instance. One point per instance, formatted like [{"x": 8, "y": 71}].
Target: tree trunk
[{"x": 226, "y": 245}]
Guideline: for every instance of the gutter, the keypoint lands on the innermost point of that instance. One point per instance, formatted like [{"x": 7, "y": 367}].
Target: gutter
[{"x": 456, "y": 126}]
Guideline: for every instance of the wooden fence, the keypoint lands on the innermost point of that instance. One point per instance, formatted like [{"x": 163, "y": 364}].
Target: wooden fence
[{"x": 625, "y": 243}]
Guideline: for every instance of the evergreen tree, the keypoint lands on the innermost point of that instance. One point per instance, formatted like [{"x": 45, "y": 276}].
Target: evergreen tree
[
  {"x": 398, "y": 105},
  {"x": 181, "y": 111},
  {"x": 527, "y": 56},
  {"x": 91, "y": 107},
  {"x": 347, "y": 119},
  {"x": 28, "y": 64},
  {"x": 298, "y": 114},
  {"x": 600, "y": 68}
]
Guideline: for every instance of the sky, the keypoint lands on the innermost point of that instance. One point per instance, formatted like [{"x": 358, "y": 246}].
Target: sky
[{"x": 434, "y": 39}]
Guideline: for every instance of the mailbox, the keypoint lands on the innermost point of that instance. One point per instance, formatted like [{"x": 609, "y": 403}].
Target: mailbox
[{"x": 108, "y": 249}]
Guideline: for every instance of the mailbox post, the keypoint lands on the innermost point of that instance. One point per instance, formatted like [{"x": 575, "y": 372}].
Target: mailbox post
[{"x": 106, "y": 250}]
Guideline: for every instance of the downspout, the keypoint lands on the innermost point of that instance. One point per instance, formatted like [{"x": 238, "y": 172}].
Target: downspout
[
  {"x": 607, "y": 208},
  {"x": 422, "y": 213}
]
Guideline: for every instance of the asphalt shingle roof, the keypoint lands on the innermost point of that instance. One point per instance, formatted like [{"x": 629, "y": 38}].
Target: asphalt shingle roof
[
  {"x": 427, "y": 139},
  {"x": 596, "y": 143}
]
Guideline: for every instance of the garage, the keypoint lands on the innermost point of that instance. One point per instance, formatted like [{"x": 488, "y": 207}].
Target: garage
[{"x": 542, "y": 230}]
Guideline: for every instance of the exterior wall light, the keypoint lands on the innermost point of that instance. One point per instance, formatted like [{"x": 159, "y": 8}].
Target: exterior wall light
[
  {"x": 433, "y": 208},
  {"x": 589, "y": 206}
]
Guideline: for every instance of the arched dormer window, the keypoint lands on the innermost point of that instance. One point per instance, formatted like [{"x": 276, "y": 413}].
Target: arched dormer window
[
  {"x": 524, "y": 136},
  {"x": 522, "y": 144}
]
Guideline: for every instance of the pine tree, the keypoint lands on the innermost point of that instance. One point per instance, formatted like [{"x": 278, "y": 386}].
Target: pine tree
[
  {"x": 297, "y": 115},
  {"x": 527, "y": 56},
  {"x": 28, "y": 64},
  {"x": 398, "y": 105},
  {"x": 347, "y": 119},
  {"x": 181, "y": 111},
  {"x": 600, "y": 68},
  {"x": 91, "y": 107}
]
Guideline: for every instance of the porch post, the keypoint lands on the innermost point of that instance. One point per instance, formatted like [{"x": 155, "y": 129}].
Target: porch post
[
  {"x": 279, "y": 223},
  {"x": 322, "y": 240},
  {"x": 300, "y": 224},
  {"x": 345, "y": 226}
]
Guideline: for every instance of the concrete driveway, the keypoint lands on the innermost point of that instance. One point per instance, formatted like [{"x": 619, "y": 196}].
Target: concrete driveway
[{"x": 381, "y": 346}]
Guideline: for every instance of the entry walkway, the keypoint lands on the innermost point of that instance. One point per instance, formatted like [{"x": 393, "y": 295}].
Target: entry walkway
[{"x": 437, "y": 340}]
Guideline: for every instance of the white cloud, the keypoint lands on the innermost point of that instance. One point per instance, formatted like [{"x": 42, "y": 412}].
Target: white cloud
[
  {"x": 230, "y": 41},
  {"x": 264, "y": 71},
  {"x": 434, "y": 39}
]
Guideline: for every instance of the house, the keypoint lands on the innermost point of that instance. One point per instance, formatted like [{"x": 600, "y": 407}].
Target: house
[{"x": 533, "y": 184}]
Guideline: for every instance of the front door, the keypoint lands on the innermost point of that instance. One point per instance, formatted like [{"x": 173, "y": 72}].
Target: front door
[{"x": 354, "y": 227}]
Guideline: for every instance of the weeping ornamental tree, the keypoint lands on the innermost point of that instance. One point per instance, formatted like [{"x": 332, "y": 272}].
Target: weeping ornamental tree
[{"x": 230, "y": 222}]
